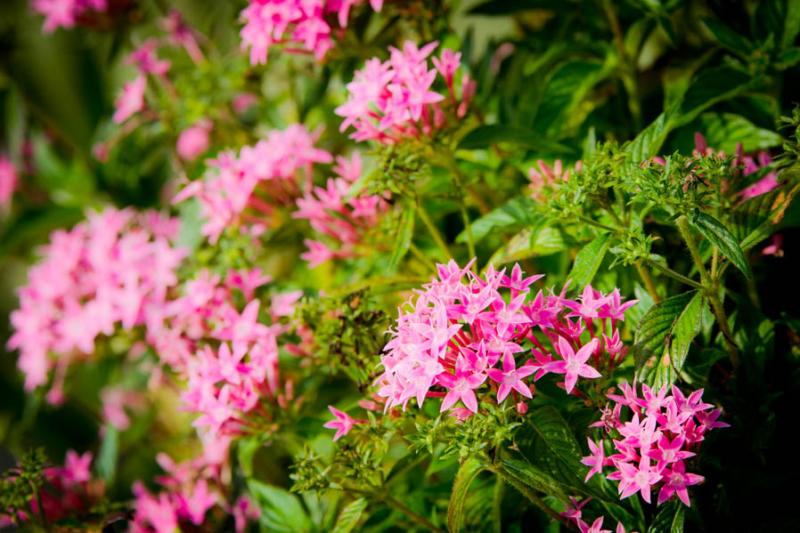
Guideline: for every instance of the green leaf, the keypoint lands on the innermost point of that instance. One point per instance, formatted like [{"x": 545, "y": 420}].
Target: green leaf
[
  {"x": 564, "y": 103},
  {"x": 106, "y": 463},
  {"x": 724, "y": 131},
  {"x": 350, "y": 515},
  {"x": 508, "y": 7},
  {"x": 513, "y": 215},
  {"x": 656, "y": 325},
  {"x": 788, "y": 58},
  {"x": 529, "y": 242},
  {"x": 791, "y": 26},
  {"x": 729, "y": 38},
  {"x": 686, "y": 328},
  {"x": 405, "y": 231},
  {"x": 525, "y": 473},
  {"x": 668, "y": 520},
  {"x": 467, "y": 473},
  {"x": 485, "y": 136},
  {"x": 683, "y": 331},
  {"x": 713, "y": 230},
  {"x": 555, "y": 447},
  {"x": 588, "y": 262},
  {"x": 280, "y": 510},
  {"x": 649, "y": 140}
]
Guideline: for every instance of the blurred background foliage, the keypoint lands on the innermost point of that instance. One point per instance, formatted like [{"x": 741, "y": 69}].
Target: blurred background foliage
[{"x": 553, "y": 77}]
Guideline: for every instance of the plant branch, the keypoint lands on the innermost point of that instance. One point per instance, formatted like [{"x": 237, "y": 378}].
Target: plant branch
[
  {"x": 710, "y": 288},
  {"x": 434, "y": 231}
]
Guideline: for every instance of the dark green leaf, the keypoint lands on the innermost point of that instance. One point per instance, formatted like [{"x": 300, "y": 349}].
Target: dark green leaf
[
  {"x": 280, "y": 510},
  {"x": 350, "y": 515},
  {"x": 729, "y": 38},
  {"x": 405, "y": 231},
  {"x": 713, "y": 230},
  {"x": 788, "y": 58},
  {"x": 654, "y": 328},
  {"x": 588, "y": 262},
  {"x": 468, "y": 471},
  {"x": 508, "y": 7},
  {"x": 525, "y": 473},
  {"x": 485, "y": 136},
  {"x": 668, "y": 520},
  {"x": 791, "y": 26}
]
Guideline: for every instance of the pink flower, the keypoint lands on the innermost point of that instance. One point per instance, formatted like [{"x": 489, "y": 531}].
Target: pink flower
[
  {"x": 299, "y": 24},
  {"x": 64, "y": 13},
  {"x": 146, "y": 61},
  {"x": 574, "y": 364},
  {"x": 193, "y": 141},
  {"x": 511, "y": 378},
  {"x": 460, "y": 387},
  {"x": 131, "y": 100},
  {"x": 676, "y": 481},
  {"x": 342, "y": 423},
  {"x": 8, "y": 181},
  {"x": 76, "y": 467},
  {"x": 597, "y": 460},
  {"x": 390, "y": 100}
]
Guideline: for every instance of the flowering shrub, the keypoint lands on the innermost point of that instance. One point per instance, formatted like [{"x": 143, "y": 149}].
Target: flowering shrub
[{"x": 337, "y": 265}]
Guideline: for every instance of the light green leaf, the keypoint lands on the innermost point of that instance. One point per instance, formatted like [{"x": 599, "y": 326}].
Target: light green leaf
[
  {"x": 588, "y": 262},
  {"x": 713, "y": 230},
  {"x": 525, "y": 473},
  {"x": 467, "y": 473},
  {"x": 350, "y": 515},
  {"x": 106, "y": 464},
  {"x": 724, "y": 131},
  {"x": 485, "y": 136},
  {"x": 405, "y": 231},
  {"x": 280, "y": 510},
  {"x": 514, "y": 214}
]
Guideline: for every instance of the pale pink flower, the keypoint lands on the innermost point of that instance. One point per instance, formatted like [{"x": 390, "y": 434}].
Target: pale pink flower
[
  {"x": 131, "y": 100},
  {"x": 194, "y": 141}
]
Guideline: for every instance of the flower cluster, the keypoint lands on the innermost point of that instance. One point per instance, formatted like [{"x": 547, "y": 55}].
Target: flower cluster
[
  {"x": 65, "y": 13},
  {"x": 462, "y": 330},
  {"x": 394, "y": 99},
  {"x": 543, "y": 176},
  {"x": 259, "y": 177},
  {"x": 190, "y": 490},
  {"x": 298, "y": 25},
  {"x": 111, "y": 271},
  {"x": 574, "y": 513},
  {"x": 652, "y": 446},
  {"x": 336, "y": 215},
  {"x": 229, "y": 359}
]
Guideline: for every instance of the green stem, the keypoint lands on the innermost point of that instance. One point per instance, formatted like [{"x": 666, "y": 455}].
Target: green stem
[
  {"x": 434, "y": 231},
  {"x": 416, "y": 252},
  {"x": 452, "y": 166},
  {"x": 710, "y": 288},
  {"x": 674, "y": 275},
  {"x": 414, "y": 517},
  {"x": 497, "y": 504},
  {"x": 648, "y": 282},
  {"x": 627, "y": 66}
]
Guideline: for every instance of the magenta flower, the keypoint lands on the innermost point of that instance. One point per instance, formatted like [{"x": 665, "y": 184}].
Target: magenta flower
[
  {"x": 8, "y": 181},
  {"x": 574, "y": 364},
  {"x": 342, "y": 423},
  {"x": 461, "y": 387},
  {"x": 391, "y": 100},
  {"x": 676, "y": 482}
]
